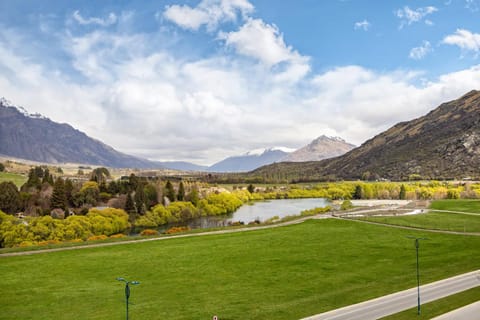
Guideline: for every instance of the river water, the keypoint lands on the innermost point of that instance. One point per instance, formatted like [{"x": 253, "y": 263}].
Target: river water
[{"x": 260, "y": 211}]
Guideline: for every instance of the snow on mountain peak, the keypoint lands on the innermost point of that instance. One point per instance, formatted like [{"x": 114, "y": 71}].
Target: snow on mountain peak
[{"x": 260, "y": 151}]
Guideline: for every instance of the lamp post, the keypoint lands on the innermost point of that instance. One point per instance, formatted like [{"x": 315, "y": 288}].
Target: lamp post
[
  {"x": 127, "y": 290},
  {"x": 417, "y": 245}
]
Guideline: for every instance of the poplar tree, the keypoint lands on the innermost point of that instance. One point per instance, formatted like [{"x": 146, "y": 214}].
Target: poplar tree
[
  {"x": 181, "y": 192},
  {"x": 169, "y": 191},
  {"x": 59, "y": 197}
]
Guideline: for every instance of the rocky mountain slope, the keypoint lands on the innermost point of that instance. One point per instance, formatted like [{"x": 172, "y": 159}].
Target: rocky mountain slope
[
  {"x": 321, "y": 148},
  {"x": 33, "y": 137},
  {"x": 443, "y": 144}
]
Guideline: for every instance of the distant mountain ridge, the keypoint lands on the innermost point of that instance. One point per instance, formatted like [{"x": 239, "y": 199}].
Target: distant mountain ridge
[
  {"x": 37, "y": 138},
  {"x": 443, "y": 144},
  {"x": 249, "y": 161},
  {"x": 321, "y": 148}
]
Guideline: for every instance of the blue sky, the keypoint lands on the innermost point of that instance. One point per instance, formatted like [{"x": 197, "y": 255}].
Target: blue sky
[{"x": 203, "y": 80}]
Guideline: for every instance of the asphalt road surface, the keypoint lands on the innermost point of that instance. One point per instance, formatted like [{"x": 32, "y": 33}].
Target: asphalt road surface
[{"x": 397, "y": 302}]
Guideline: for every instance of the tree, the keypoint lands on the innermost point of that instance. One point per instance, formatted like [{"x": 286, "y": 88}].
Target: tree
[
  {"x": 151, "y": 196},
  {"x": 2, "y": 167},
  {"x": 33, "y": 179},
  {"x": 130, "y": 207},
  {"x": 193, "y": 196},
  {"x": 47, "y": 177},
  {"x": 403, "y": 192},
  {"x": 113, "y": 188},
  {"x": 100, "y": 175},
  {"x": 251, "y": 188},
  {"x": 181, "y": 192},
  {"x": 9, "y": 197},
  {"x": 358, "y": 192},
  {"x": 69, "y": 191},
  {"x": 59, "y": 197},
  {"x": 133, "y": 182},
  {"x": 90, "y": 192},
  {"x": 169, "y": 191},
  {"x": 140, "y": 200}
]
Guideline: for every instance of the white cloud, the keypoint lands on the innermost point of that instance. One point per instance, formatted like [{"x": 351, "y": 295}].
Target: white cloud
[
  {"x": 104, "y": 22},
  {"x": 261, "y": 41},
  {"x": 408, "y": 16},
  {"x": 208, "y": 12},
  {"x": 363, "y": 25},
  {"x": 464, "y": 39},
  {"x": 150, "y": 101},
  {"x": 420, "y": 52}
]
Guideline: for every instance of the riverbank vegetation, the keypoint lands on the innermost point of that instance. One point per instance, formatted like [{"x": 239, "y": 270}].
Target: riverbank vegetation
[{"x": 47, "y": 200}]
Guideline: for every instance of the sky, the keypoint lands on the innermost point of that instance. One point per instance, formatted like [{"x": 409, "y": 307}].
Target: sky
[{"x": 203, "y": 80}]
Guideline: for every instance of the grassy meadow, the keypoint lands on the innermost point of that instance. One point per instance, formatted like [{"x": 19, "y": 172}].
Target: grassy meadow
[
  {"x": 461, "y": 205},
  {"x": 16, "y": 178},
  {"x": 281, "y": 273},
  {"x": 437, "y": 220}
]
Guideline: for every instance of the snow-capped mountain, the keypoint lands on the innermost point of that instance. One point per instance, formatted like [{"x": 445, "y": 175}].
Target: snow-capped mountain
[{"x": 251, "y": 160}]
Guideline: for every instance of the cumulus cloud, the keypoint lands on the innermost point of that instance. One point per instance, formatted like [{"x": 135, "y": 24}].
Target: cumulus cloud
[
  {"x": 147, "y": 100},
  {"x": 464, "y": 39},
  {"x": 420, "y": 52},
  {"x": 261, "y": 41},
  {"x": 408, "y": 16},
  {"x": 104, "y": 22},
  {"x": 362, "y": 25},
  {"x": 208, "y": 12}
]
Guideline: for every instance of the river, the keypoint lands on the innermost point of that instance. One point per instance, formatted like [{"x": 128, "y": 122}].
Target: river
[{"x": 260, "y": 211}]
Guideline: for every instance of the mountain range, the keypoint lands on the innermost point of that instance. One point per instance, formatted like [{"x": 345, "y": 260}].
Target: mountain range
[
  {"x": 34, "y": 137},
  {"x": 443, "y": 144},
  {"x": 37, "y": 138}
]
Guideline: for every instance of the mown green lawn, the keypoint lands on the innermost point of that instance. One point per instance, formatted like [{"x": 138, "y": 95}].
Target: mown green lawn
[
  {"x": 462, "y": 205},
  {"x": 280, "y": 273},
  {"x": 18, "y": 179},
  {"x": 434, "y": 220},
  {"x": 440, "y": 220}
]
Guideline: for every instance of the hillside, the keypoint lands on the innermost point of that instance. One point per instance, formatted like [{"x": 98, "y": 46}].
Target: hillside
[
  {"x": 321, "y": 148},
  {"x": 443, "y": 144},
  {"x": 37, "y": 138}
]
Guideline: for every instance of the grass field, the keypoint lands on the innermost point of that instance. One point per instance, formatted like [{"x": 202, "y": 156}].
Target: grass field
[
  {"x": 440, "y": 220},
  {"x": 18, "y": 179},
  {"x": 472, "y": 206},
  {"x": 280, "y": 273},
  {"x": 434, "y": 220}
]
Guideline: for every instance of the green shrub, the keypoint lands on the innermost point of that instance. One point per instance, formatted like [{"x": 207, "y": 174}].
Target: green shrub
[{"x": 346, "y": 204}]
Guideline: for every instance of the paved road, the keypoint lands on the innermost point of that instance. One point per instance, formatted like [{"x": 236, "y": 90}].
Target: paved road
[
  {"x": 396, "y": 302},
  {"x": 470, "y": 312}
]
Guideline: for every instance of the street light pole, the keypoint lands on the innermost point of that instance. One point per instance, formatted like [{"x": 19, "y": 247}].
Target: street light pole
[
  {"x": 417, "y": 245},
  {"x": 127, "y": 290}
]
